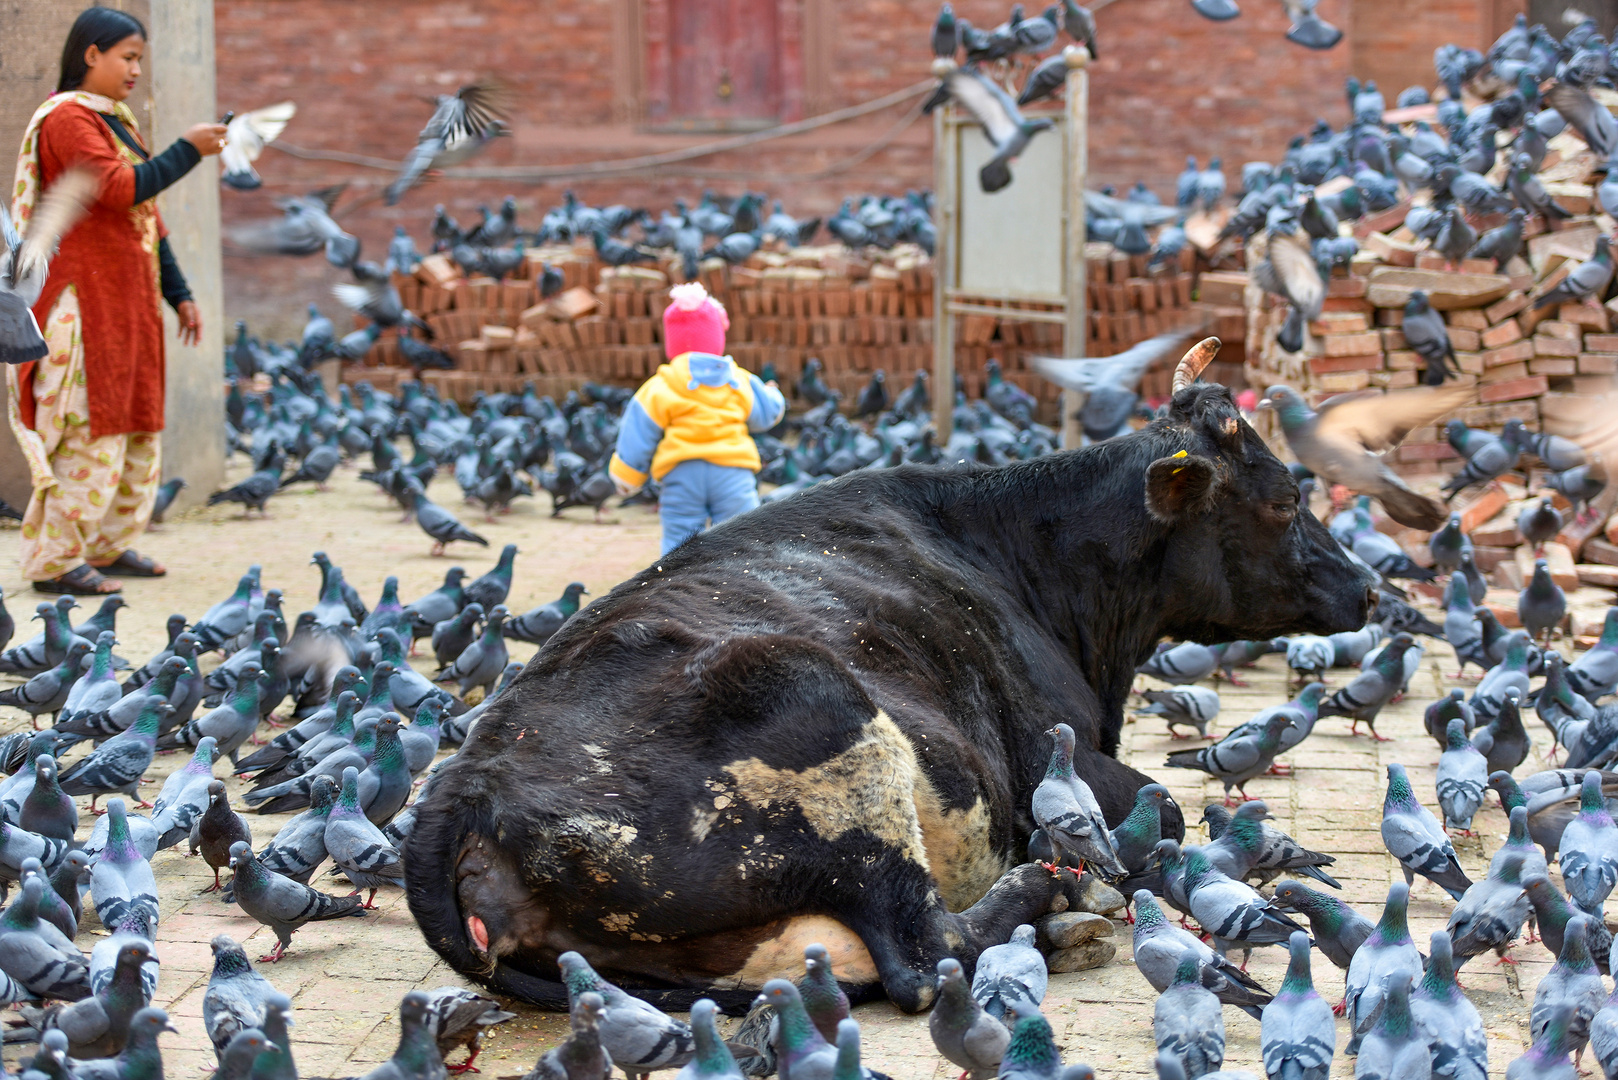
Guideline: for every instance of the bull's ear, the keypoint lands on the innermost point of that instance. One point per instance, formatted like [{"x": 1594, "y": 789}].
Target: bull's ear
[{"x": 1180, "y": 487}]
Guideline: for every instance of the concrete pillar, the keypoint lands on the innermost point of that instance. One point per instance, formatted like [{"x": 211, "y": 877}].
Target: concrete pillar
[{"x": 176, "y": 91}]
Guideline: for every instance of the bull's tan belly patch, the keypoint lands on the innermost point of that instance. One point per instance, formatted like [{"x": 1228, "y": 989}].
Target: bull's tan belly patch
[
  {"x": 781, "y": 956},
  {"x": 963, "y": 859},
  {"x": 870, "y": 786}
]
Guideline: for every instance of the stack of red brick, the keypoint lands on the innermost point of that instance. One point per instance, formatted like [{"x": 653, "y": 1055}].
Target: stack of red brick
[{"x": 856, "y": 312}]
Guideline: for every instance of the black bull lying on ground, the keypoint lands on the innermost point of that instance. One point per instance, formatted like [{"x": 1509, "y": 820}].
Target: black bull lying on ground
[{"x": 823, "y": 721}]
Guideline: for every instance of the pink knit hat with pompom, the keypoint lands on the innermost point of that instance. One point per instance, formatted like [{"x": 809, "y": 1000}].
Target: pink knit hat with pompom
[{"x": 693, "y": 322}]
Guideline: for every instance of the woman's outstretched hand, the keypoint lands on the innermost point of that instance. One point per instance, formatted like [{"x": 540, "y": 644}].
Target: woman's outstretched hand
[
  {"x": 190, "y": 322},
  {"x": 209, "y": 139}
]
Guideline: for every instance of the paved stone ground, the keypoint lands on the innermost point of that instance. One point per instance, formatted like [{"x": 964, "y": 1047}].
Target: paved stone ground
[{"x": 346, "y": 977}]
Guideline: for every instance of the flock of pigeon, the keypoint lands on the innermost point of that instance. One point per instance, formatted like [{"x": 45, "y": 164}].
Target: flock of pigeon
[
  {"x": 1407, "y": 1013},
  {"x": 349, "y": 762},
  {"x": 1464, "y": 168}
]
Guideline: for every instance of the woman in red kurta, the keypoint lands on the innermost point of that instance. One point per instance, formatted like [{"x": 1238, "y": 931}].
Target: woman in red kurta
[{"x": 88, "y": 415}]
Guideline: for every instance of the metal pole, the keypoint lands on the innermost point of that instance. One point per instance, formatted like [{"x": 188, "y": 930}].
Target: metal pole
[
  {"x": 946, "y": 146},
  {"x": 1077, "y": 58}
]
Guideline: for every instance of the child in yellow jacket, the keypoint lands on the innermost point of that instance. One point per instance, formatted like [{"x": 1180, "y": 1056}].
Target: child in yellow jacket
[{"x": 690, "y": 426}]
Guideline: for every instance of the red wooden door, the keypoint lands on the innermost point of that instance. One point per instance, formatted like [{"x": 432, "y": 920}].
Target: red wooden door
[{"x": 724, "y": 62}]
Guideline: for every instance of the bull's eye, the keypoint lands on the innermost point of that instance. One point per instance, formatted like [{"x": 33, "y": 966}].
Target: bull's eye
[{"x": 1281, "y": 513}]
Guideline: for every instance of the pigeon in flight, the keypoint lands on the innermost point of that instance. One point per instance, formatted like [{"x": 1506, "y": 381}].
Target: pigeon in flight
[
  {"x": 463, "y": 124},
  {"x": 245, "y": 138},
  {"x": 25, "y": 259}
]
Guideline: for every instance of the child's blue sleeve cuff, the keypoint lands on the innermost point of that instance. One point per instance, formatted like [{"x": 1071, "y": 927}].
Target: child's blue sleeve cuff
[
  {"x": 768, "y": 406},
  {"x": 638, "y": 436}
]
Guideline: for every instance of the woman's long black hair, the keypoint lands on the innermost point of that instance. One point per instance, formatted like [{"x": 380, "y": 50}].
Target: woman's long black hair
[{"x": 98, "y": 26}]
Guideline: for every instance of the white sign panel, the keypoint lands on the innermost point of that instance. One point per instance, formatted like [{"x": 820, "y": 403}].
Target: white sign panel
[{"x": 1011, "y": 241}]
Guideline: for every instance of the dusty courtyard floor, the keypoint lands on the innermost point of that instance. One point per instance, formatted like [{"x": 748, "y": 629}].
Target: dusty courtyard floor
[{"x": 346, "y": 977}]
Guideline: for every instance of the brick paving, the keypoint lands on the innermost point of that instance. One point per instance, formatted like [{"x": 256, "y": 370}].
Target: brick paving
[{"x": 346, "y": 977}]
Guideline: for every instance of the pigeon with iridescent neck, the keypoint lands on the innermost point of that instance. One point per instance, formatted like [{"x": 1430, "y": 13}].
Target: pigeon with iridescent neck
[
  {"x": 1298, "y": 1034},
  {"x": 1386, "y": 958},
  {"x": 1188, "y": 1022},
  {"x": 1413, "y": 836},
  {"x": 639, "y": 1036},
  {"x": 1066, "y": 808},
  {"x": 1447, "y": 1019}
]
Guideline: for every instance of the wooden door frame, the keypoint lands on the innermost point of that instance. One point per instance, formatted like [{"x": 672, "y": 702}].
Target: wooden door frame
[{"x": 644, "y": 71}]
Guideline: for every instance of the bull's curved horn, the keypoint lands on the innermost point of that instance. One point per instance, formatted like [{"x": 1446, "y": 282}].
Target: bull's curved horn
[{"x": 1198, "y": 357}]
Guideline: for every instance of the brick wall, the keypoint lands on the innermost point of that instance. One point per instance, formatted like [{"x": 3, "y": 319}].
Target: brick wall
[{"x": 363, "y": 72}]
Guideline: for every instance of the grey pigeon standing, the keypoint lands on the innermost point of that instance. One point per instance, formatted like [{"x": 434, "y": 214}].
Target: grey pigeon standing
[
  {"x": 1188, "y": 1022},
  {"x": 1572, "y": 981},
  {"x": 1239, "y": 756},
  {"x": 1010, "y": 977},
  {"x": 117, "y": 765},
  {"x": 1541, "y": 604},
  {"x": 1539, "y": 523},
  {"x": 98, "y": 1026},
  {"x": 48, "y": 810},
  {"x": 1298, "y": 1035},
  {"x": 46, "y": 966},
  {"x": 1553, "y": 915},
  {"x": 358, "y": 847},
  {"x": 1231, "y": 911},
  {"x": 300, "y": 846},
  {"x": 1448, "y": 545},
  {"x": 1426, "y": 334},
  {"x": 1244, "y": 843},
  {"x": 639, "y": 1036},
  {"x": 1413, "y": 836},
  {"x": 1195, "y": 706},
  {"x": 185, "y": 795},
  {"x": 1394, "y": 1049},
  {"x": 961, "y": 1031},
  {"x": 1159, "y": 947},
  {"x": 580, "y": 1056},
  {"x": 47, "y": 692},
  {"x": 1066, "y": 808},
  {"x": 236, "y": 994},
  {"x": 482, "y": 662},
  {"x": 140, "y": 1055},
  {"x": 1187, "y": 662},
  {"x": 1032, "y": 1053},
  {"x": 713, "y": 1060},
  {"x": 1463, "y": 776},
  {"x": 537, "y": 626},
  {"x": 232, "y": 723},
  {"x": 1588, "y": 279},
  {"x": 281, "y": 903},
  {"x": 1363, "y": 699},
  {"x": 1387, "y": 958},
  {"x": 1493, "y": 911},
  {"x": 1588, "y": 852},
  {"x": 1447, "y": 1019},
  {"x": 122, "y": 878}
]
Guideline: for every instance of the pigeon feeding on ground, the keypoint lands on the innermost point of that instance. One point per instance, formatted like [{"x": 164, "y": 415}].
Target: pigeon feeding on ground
[
  {"x": 1010, "y": 979},
  {"x": 236, "y": 996}
]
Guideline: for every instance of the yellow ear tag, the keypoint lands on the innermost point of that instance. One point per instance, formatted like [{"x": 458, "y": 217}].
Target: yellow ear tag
[{"x": 1179, "y": 470}]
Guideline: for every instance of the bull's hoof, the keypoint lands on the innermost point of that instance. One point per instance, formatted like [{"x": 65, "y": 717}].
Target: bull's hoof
[
  {"x": 1071, "y": 929},
  {"x": 1097, "y": 897},
  {"x": 1081, "y": 957}
]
